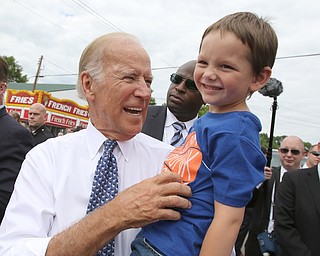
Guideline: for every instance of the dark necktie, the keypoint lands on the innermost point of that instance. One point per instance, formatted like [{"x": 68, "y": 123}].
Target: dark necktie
[
  {"x": 177, "y": 138},
  {"x": 105, "y": 186}
]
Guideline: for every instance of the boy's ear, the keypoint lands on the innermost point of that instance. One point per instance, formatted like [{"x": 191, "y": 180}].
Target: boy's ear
[{"x": 261, "y": 79}]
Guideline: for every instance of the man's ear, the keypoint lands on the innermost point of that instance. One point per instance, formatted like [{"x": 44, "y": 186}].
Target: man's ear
[
  {"x": 86, "y": 83},
  {"x": 3, "y": 87},
  {"x": 261, "y": 79}
]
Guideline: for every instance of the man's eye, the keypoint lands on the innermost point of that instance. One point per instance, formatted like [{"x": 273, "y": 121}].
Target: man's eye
[
  {"x": 129, "y": 78},
  {"x": 148, "y": 82}
]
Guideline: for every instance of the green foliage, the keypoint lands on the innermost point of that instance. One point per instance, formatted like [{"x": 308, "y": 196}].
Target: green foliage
[
  {"x": 204, "y": 109},
  {"x": 15, "y": 71},
  {"x": 307, "y": 145},
  {"x": 152, "y": 101},
  {"x": 264, "y": 141}
]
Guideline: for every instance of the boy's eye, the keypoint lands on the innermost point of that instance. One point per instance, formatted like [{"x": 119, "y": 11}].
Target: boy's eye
[{"x": 224, "y": 66}]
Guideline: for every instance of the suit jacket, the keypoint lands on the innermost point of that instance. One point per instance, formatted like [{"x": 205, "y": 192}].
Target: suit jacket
[
  {"x": 155, "y": 122},
  {"x": 297, "y": 213},
  {"x": 41, "y": 135},
  {"x": 15, "y": 142},
  {"x": 261, "y": 204}
]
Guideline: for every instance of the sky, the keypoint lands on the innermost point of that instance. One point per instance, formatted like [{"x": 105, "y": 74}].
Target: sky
[{"x": 170, "y": 31}]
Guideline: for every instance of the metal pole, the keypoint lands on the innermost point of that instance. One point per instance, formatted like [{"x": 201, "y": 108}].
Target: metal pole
[
  {"x": 273, "y": 118},
  {"x": 37, "y": 75}
]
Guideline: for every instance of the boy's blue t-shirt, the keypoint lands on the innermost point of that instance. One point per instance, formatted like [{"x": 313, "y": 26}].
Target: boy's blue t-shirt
[{"x": 220, "y": 160}]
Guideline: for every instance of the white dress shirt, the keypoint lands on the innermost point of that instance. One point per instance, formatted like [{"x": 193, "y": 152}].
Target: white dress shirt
[
  {"x": 169, "y": 129},
  {"x": 271, "y": 218},
  {"x": 54, "y": 185}
]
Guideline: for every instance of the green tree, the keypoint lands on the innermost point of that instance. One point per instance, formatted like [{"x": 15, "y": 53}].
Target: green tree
[
  {"x": 264, "y": 140},
  {"x": 307, "y": 145},
  {"x": 152, "y": 101},
  {"x": 15, "y": 71},
  {"x": 204, "y": 109}
]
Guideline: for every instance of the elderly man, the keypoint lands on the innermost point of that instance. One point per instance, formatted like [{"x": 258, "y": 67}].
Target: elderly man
[
  {"x": 74, "y": 180},
  {"x": 291, "y": 153},
  {"x": 37, "y": 119}
]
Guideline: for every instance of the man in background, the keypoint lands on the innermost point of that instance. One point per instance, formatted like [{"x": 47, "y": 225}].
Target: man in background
[
  {"x": 15, "y": 142},
  {"x": 291, "y": 153},
  {"x": 178, "y": 115},
  {"x": 297, "y": 211},
  {"x": 37, "y": 119},
  {"x": 313, "y": 157}
]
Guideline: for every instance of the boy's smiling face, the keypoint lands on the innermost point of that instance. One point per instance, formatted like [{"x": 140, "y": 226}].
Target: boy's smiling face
[{"x": 224, "y": 73}]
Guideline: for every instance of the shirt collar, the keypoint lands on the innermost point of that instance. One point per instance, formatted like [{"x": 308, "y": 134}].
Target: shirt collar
[
  {"x": 95, "y": 140},
  {"x": 282, "y": 171},
  {"x": 171, "y": 119}
]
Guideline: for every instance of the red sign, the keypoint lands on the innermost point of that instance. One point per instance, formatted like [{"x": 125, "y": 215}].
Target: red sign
[
  {"x": 21, "y": 98},
  {"x": 62, "y": 121},
  {"x": 61, "y": 112},
  {"x": 68, "y": 107},
  {"x": 83, "y": 124}
]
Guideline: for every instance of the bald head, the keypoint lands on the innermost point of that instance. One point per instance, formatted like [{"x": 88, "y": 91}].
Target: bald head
[
  {"x": 189, "y": 66},
  {"x": 37, "y": 116},
  {"x": 291, "y": 152},
  {"x": 183, "y": 102}
]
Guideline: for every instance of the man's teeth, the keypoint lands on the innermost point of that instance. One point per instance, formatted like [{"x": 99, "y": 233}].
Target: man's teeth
[{"x": 134, "y": 110}]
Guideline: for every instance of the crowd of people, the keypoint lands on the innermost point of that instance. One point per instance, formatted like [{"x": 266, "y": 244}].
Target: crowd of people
[{"x": 183, "y": 185}]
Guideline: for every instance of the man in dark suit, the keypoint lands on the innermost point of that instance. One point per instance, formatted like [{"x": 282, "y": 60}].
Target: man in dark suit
[
  {"x": 297, "y": 213},
  {"x": 291, "y": 153},
  {"x": 37, "y": 119},
  {"x": 183, "y": 104},
  {"x": 15, "y": 142}
]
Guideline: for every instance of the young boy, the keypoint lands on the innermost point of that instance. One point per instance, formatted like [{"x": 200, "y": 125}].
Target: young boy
[{"x": 221, "y": 159}]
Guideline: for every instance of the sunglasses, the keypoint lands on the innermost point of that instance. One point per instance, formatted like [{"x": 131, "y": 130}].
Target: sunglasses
[
  {"x": 315, "y": 153},
  {"x": 177, "y": 79},
  {"x": 293, "y": 151}
]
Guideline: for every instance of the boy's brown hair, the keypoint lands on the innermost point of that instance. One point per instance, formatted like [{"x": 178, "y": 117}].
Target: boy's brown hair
[{"x": 253, "y": 31}]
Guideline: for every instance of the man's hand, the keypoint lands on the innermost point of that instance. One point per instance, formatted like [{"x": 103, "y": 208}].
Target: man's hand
[
  {"x": 267, "y": 173},
  {"x": 148, "y": 201},
  {"x": 151, "y": 200}
]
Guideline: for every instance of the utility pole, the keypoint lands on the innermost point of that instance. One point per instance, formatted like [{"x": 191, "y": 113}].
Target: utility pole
[{"x": 37, "y": 75}]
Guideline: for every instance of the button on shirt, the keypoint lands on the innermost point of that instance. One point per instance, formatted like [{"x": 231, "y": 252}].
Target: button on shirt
[
  {"x": 58, "y": 175},
  {"x": 169, "y": 130}
]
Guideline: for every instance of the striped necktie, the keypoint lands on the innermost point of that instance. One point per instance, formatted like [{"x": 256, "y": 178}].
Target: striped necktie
[
  {"x": 105, "y": 186},
  {"x": 177, "y": 138}
]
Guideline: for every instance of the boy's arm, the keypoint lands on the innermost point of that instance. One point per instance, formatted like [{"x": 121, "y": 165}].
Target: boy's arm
[{"x": 223, "y": 231}]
